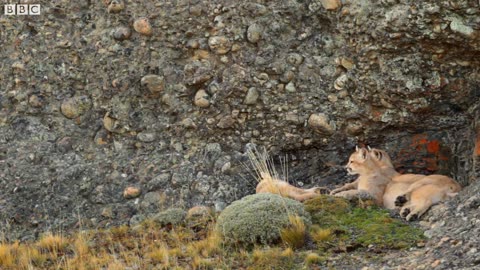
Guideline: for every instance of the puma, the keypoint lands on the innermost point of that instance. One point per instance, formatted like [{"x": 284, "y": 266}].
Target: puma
[
  {"x": 414, "y": 193},
  {"x": 268, "y": 184},
  {"x": 371, "y": 182}
]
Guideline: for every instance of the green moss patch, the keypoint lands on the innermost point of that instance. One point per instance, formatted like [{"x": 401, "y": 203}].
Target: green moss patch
[{"x": 354, "y": 226}]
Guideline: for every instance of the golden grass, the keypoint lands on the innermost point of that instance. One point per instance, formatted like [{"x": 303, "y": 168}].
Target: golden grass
[
  {"x": 150, "y": 246},
  {"x": 262, "y": 165},
  {"x": 294, "y": 235},
  {"x": 322, "y": 235},
  {"x": 159, "y": 255},
  {"x": 313, "y": 258},
  {"x": 208, "y": 246},
  {"x": 52, "y": 243},
  {"x": 7, "y": 258},
  {"x": 288, "y": 252}
]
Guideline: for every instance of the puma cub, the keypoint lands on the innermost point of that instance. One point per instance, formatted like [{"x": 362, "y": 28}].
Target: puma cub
[
  {"x": 399, "y": 183},
  {"x": 415, "y": 193},
  {"x": 371, "y": 182},
  {"x": 269, "y": 184}
]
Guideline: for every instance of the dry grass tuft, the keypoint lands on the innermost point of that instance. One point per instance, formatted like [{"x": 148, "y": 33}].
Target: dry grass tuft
[
  {"x": 313, "y": 258},
  {"x": 52, "y": 243},
  {"x": 294, "y": 235},
  {"x": 288, "y": 252},
  {"x": 7, "y": 257},
  {"x": 159, "y": 255},
  {"x": 322, "y": 235},
  {"x": 262, "y": 165}
]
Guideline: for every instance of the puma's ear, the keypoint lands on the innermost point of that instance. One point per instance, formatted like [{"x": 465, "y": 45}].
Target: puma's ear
[
  {"x": 356, "y": 148},
  {"x": 363, "y": 153},
  {"x": 369, "y": 148},
  {"x": 378, "y": 154}
]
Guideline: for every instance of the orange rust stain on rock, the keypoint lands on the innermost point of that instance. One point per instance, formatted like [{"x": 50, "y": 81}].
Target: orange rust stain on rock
[
  {"x": 419, "y": 139},
  {"x": 442, "y": 157},
  {"x": 477, "y": 145},
  {"x": 433, "y": 147},
  {"x": 377, "y": 114},
  {"x": 431, "y": 164}
]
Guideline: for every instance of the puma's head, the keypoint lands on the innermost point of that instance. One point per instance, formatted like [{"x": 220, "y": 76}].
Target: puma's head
[
  {"x": 381, "y": 158},
  {"x": 360, "y": 162},
  {"x": 454, "y": 187}
]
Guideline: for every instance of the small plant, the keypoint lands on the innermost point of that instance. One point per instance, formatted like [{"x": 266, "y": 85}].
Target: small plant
[
  {"x": 288, "y": 252},
  {"x": 294, "y": 234},
  {"x": 271, "y": 258},
  {"x": 321, "y": 235},
  {"x": 313, "y": 258},
  {"x": 170, "y": 217},
  {"x": 80, "y": 245},
  {"x": 52, "y": 243},
  {"x": 208, "y": 246},
  {"x": 30, "y": 256},
  {"x": 7, "y": 258},
  {"x": 159, "y": 255},
  {"x": 258, "y": 218}
]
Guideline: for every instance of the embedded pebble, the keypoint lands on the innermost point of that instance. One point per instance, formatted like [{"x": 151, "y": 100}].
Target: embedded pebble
[
  {"x": 252, "y": 96},
  {"x": 145, "y": 136},
  {"x": 107, "y": 212},
  {"x": 75, "y": 106},
  {"x": 331, "y": 4},
  {"x": 195, "y": 10},
  {"x": 346, "y": 63},
  {"x": 458, "y": 26},
  {"x": 131, "y": 192},
  {"x": 109, "y": 123},
  {"x": 115, "y": 6},
  {"x": 102, "y": 137},
  {"x": 321, "y": 123},
  {"x": 199, "y": 211},
  {"x": 36, "y": 101},
  {"x": 122, "y": 33},
  {"x": 143, "y": 26},
  {"x": 290, "y": 87},
  {"x": 18, "y": 66},
  {"x": 287, "y": 76},
  {"x": 198, "y": 72},
  {"x": 201, "y": 99},
  {"x": 340, "y": 82},
  {"x": 332, "y": 98},
  {"x": 226, "y": 122},
  {"x": 254, "y": 33},
  {"x": 193, "y": 44},
  {"x": 219, "y": 44},
  {"x": 295, "y": 59},
  {"x": 188, "y": 123},
  {"x": 154, "y": 83}
]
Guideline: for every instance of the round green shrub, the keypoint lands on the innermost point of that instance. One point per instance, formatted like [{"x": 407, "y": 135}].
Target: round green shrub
[
  {"x": 259, "y": 218},
  {"x": 172, "y": 216}
]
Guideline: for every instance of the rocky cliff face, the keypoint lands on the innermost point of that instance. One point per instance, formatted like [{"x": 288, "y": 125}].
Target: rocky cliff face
[{"x": 165, "y": 96}]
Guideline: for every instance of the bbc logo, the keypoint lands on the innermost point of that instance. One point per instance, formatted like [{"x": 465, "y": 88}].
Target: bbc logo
[{"x": 22, "y": 9}]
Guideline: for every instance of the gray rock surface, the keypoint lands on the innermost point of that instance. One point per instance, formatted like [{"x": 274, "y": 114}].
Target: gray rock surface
[{"x": 78, "y": 126}]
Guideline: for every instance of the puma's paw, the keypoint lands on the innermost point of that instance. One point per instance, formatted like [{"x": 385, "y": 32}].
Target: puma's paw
[
  {"x": 400, "y": 201},
  {"x": 321, "y": 190},
  {"x": 405, "y": 212},
  {"x": 411, "y": 217}
]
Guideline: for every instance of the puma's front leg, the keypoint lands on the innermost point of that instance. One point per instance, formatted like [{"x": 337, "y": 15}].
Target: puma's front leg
[{"x": 348, "y": 186}]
